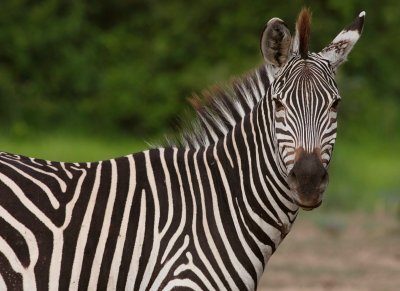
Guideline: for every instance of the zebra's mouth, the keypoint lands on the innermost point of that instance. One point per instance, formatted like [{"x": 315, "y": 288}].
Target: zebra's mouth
[{"x": 308, "y": 207}]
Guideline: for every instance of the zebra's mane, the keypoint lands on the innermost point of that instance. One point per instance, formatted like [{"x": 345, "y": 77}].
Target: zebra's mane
[{"x": 219, "y": 109}]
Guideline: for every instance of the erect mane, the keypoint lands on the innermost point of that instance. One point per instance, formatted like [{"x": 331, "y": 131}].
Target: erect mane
[
  {"x": 219, "y": 109},
  {"x": 303, "y": 29}
]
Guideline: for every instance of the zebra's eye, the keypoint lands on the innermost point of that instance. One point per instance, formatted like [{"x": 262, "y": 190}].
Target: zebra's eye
[
  {"x": 335, "y": 105},
  {"x": 279, "y": 105}
]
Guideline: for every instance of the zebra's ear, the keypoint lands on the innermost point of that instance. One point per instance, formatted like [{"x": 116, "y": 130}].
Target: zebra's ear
[
  {"x": 336, "y": 52},
  {"x": 275, "y": 42}
]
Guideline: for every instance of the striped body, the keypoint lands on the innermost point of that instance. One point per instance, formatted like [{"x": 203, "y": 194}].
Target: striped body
[{"x": 152, "y": 220}]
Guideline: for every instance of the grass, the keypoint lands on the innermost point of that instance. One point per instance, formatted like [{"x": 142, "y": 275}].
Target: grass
[
  {"x": 363, "y": 175},
  {"x": 69, "y": 148}
]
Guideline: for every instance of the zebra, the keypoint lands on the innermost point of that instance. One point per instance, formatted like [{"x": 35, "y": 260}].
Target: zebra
[{"x": 206, "y": 210}]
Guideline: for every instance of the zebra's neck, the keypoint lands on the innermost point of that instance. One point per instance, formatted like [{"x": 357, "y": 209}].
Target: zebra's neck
[{"x": 244, "y": 163}]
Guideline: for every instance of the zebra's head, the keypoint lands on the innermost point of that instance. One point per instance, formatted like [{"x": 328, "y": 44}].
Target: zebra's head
[{"x": 305, "y": 99}]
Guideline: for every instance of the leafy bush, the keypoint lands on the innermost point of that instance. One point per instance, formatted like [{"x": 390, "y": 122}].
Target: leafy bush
[{"x": 129, "y": 65}]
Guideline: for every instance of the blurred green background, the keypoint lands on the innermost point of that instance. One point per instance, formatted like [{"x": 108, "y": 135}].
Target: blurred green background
[{"x": 89, "y": 80}]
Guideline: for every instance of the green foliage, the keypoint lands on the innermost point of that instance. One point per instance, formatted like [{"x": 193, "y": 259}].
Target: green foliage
[{"x": 129, "y": 65}]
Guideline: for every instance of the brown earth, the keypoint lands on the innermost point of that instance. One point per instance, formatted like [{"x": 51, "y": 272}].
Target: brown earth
[{"x": 337, "y": 252}]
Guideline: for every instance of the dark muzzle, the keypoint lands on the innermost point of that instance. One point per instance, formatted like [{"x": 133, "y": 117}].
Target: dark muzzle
[{"x": 308, "y": 178}]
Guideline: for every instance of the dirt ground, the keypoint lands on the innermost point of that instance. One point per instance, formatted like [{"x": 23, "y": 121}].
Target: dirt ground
[{"x": 337, "y": 252}]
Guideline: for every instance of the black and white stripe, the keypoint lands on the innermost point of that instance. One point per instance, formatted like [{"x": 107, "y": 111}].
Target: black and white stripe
[
  {"x": 305, "y": 116},
  {"x": 203, "y": 214}
]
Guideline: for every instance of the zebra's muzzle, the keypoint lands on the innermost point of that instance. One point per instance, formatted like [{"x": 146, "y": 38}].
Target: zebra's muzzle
[{"x": 308, "y": 179}]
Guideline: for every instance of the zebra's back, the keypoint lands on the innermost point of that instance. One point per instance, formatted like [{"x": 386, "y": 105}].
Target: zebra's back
[{"x": 82, "y": 225}]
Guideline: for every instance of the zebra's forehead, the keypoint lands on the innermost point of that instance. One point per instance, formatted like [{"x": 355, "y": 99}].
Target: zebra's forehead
[
  {"x": 311, "y": 77},
  {"x": 309, "y": 67}
]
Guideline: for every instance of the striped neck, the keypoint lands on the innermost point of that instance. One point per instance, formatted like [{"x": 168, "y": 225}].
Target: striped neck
[{"x": 248, "y": 158}]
